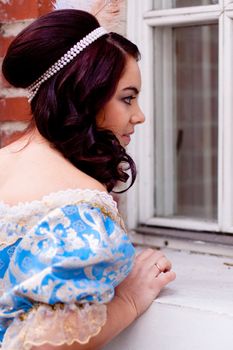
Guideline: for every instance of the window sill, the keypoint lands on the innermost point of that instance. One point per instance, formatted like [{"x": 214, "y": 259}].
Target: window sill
[
  {"x": 194, "y": 312},
  {"x": 194, "y": 241}
]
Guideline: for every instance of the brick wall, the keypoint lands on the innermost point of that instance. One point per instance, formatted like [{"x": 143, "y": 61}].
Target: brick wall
[{"x": 14, "y": 108}]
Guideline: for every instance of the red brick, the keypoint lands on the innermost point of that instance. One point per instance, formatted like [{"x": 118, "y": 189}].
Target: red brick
[
  {"x": 6, "y": 138},
  {"x": 18, "y": 10},
  {"x": 44, "y": 6},
  {"x": 3, "y": 83},
  {"x": 4, "y": 43},
  {"x": 14, "y": 109}
]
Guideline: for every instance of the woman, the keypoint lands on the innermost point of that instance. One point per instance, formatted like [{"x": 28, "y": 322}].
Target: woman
[{"x": 68, "y": 275}]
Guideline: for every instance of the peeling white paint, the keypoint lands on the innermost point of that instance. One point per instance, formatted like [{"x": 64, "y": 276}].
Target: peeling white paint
[
  {"x": 13, "y": 92},
  {"x": 9, "y": 127},
  {"x": 5, "y": 2},
  {"x": 12, "y": 29}
]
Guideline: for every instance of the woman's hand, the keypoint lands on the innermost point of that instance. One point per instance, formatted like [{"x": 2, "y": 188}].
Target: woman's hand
[{"x": 150, "y": 273}]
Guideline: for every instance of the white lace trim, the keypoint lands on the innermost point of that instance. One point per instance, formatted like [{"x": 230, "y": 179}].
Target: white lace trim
[
  {"x": 27, "y": 214},
  {"x": 60, "y": 197},
  {"x": 59, "y": 325}
]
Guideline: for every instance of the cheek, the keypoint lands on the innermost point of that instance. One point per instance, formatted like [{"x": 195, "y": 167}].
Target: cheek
[
  {"x": 112, "y": 116},
  {"x": 105, "y": 118},
  {"x": 100, "y": 119}
]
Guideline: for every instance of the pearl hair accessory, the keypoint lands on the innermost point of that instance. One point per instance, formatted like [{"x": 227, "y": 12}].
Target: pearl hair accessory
[{"x": 65, "y": 59}]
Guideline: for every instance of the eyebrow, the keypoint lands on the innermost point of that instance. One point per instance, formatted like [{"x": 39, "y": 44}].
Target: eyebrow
[{"x": 132, "y": 88}]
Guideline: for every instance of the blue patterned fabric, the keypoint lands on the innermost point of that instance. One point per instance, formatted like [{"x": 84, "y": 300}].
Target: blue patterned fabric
[{"x": 74, "y": 254}]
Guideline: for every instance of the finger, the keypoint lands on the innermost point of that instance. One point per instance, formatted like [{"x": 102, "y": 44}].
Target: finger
[
  {"x": 145, "y": 254},
  {"x": 164, "y": 278},
  {"x": 152, "y": 259},
  {"x": 163, "y": 264}
]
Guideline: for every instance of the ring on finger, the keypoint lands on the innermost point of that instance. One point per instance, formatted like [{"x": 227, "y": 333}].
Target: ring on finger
[{"x": 158, "y": 267}]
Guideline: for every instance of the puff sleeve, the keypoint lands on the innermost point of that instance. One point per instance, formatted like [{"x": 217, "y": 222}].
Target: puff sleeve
[{"x": 61, "y": 275}]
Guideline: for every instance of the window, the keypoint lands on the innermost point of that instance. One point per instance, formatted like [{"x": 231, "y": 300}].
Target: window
[
  {"x": 167, "y": 4},
  {"x": 184, "y": 151}
]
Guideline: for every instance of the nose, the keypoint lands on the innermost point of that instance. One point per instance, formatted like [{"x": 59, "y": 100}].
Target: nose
[{"x": 138, "y": 117}]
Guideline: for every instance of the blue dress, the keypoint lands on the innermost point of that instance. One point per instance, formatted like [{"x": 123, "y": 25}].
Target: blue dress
[{"x": 60, "y": 260}]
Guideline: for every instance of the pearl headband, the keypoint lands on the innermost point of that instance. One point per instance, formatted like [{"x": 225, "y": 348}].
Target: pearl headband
[{"x": 65, "y": 59}]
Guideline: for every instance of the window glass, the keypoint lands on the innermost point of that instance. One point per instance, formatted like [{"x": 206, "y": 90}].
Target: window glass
[{"x": 188, "y": 149}]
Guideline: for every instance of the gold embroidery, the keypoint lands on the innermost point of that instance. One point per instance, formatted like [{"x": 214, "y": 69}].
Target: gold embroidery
[{"x": 100, "y": 200}]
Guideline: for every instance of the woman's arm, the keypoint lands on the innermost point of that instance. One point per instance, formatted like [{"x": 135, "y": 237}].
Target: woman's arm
[{"x": 132, "y": 297}]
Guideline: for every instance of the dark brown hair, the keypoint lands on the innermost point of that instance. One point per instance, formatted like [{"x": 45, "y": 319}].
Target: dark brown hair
[{"x": 65, "y": 107}]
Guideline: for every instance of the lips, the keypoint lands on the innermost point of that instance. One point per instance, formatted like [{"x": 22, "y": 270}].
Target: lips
[{"x": 127, "y": 138}]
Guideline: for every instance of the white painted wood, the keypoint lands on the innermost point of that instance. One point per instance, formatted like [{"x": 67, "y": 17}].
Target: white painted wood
[
  {"x": 207, "y": 139},
  {"x": 133, "y": 22},
  {"x": 221, "y": 108},
  {"x": 195, "y": 245},
  {"x": 168, "y": 327},
  {"x": 227, "y": 3},
  {"x": 192, "y": 18},
  {"x": 146, "y": 145},
  {"x": 159, "y": 129},
  {"x": 230, "y": 11},
  {"x": 168, "y": 180},
  {"x": 183, "y": 223},
  {"x": 164, "y": 128},
  {"x": 195, "y": 312},
  {"x": 142, "y": 149},
  {"x": 230, "y": 7},
  {"x": 183, "y": 11},
  {"x": 225, "y": 124}
]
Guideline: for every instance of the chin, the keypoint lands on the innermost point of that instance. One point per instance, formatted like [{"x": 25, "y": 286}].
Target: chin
[{"x": 125, "y": 140}]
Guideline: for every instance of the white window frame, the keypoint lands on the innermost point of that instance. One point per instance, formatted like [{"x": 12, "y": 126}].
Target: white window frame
[{"x": 140, "y": 200}]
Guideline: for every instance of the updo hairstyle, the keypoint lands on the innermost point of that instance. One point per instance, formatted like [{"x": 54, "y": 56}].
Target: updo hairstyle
[{"x": 65, "y": 107}]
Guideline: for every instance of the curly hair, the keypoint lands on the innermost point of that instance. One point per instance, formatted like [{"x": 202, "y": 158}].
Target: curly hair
[{"x": 64, "y": 109}]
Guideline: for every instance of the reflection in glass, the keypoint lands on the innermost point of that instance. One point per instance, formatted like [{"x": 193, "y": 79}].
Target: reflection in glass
[
  {"x": 196, "y": 89},
  {"x": 167, "y": 4},
  {"x": 193, "y": 122}
]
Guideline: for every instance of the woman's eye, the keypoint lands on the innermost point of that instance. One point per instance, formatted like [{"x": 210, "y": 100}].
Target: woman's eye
[{"x": 128, "y": 99}]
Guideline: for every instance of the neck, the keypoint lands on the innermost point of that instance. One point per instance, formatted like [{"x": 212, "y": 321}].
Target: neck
[{"x": 30, "y": 137}]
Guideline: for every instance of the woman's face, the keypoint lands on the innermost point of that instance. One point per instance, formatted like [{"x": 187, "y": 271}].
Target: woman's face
[{"x": 122, "y": 113}]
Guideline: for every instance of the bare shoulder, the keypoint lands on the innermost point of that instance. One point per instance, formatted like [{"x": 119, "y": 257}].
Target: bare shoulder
[
  {"x": 82, "y": 180},
  {"x": 62, "y": 174},
  {"x": 39, "y": 171}
]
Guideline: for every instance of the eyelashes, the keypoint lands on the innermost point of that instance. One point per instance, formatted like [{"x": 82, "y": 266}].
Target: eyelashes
[{"x": 128, "y": 99}]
